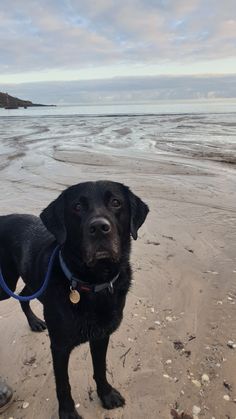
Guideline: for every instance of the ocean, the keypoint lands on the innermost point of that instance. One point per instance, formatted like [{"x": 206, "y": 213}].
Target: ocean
[{"x": 200, "y": 129}]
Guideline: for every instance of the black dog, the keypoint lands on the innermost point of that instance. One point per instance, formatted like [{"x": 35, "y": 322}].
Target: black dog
[{"x": 90, "y": 278}]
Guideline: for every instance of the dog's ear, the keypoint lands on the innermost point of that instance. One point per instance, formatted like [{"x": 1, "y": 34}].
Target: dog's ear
[
  {"x": 53, "y": 218},
  {"x": 139, "y": 211}
]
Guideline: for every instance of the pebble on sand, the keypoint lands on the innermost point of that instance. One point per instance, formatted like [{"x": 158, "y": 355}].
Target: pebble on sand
[
  {"x": 231, "y": 344},
  {"x": 196, "y": 383},
  {"x": 226, "y": 397},
  {"x": 196, "y": 410},
  {"x": 169, "y": 319},
  {"x": 25, "y": 405},
  {"x": 205, "y": 379}
]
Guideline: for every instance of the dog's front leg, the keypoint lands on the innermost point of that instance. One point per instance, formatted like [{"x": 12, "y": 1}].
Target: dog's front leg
[
  {"x": 109, "y": 396},
  {"x": 66, "y": 403}
]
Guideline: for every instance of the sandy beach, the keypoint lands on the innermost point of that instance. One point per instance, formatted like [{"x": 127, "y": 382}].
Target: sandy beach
[{"x": 181, "y": 310}]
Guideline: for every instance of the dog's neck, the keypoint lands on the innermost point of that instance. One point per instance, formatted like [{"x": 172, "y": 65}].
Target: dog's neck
[{"x": 101, "y": 272}]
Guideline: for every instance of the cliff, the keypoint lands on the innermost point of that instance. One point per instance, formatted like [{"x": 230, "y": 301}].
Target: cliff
[{"x": 7, "y": 101}]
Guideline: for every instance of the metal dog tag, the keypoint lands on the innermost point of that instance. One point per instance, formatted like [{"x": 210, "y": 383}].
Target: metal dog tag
[{"x": 74, "y": 296}]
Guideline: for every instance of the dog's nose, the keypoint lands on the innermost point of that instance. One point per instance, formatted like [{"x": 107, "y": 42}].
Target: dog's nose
[{"x": 99, "y": 225}]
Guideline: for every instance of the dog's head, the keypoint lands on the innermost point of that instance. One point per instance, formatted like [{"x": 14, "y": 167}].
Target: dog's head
[{"x": 95, "y": 219}]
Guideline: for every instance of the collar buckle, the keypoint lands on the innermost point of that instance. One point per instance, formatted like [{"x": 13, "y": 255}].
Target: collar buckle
[{"x": 73, "y": 284}]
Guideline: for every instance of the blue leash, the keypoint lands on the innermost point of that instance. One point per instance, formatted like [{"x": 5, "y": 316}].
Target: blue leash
[{"x": 40, "y": 291}]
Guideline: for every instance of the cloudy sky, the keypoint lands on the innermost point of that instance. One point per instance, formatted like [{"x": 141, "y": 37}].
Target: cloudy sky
[{"x": 168, "y": 48}]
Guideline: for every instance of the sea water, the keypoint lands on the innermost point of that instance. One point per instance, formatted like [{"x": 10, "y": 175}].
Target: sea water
[{"x": 205, "y": 129}]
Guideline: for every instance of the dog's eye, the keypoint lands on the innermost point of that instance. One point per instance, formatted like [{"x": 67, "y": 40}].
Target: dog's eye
[
  {"x": 116, "y": 203},
  {"x": 77, "y": 207}
]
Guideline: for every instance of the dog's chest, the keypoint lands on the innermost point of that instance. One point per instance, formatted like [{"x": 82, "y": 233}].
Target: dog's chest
[{"x": 96, "y": 316}]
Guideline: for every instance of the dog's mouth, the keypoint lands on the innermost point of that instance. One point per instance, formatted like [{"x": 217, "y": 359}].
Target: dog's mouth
[
  {"x": 99, "y": 253},
  {"x": 99, "y": 256}
]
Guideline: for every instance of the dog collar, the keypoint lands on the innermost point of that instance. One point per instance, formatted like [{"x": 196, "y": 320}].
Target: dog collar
[{"x": 77, "y": 284}]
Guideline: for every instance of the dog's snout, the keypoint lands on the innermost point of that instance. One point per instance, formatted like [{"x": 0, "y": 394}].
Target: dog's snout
[{"x": 99, "y": 225}]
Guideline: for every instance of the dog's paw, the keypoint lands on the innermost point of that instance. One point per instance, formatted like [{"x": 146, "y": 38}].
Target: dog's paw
[
  {"x": 37, "y": 325},
  {"x": 112, "y": 400},
  {"x": 69, "y": 415}
]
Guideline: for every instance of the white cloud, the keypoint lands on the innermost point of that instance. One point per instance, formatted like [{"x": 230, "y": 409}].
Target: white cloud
[{"x": 78, "y": 34}]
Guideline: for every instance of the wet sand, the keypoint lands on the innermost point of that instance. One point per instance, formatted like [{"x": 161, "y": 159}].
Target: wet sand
[{"x": 181, "y": 310}]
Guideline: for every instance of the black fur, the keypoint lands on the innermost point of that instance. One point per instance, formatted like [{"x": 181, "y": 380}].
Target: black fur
[{"x": 92, "y": 222}]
